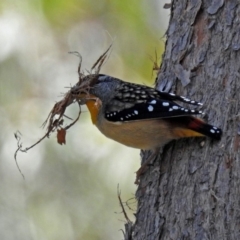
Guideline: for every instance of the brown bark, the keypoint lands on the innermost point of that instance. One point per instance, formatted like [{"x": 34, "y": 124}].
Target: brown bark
[{"x": 193, "y": 192}]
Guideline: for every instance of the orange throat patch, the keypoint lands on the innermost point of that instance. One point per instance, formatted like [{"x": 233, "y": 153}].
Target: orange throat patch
[{"x": 93, "y": 107}]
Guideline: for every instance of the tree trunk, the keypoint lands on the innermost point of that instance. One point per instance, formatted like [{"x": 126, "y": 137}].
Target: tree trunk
[{"x": 192, "y": 191}]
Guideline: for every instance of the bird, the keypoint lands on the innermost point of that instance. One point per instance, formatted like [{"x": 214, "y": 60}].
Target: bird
[{"x": 140, "y": 116}]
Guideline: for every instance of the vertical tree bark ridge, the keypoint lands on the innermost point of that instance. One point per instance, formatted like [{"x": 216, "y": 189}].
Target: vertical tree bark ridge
[{"x": 193, "y": 192}]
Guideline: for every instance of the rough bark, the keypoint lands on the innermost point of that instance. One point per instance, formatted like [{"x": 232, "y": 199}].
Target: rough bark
[{"x": 193, "y": 191}]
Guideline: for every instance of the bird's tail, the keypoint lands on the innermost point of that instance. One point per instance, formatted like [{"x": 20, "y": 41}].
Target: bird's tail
[{"x": 195, "y": 127}]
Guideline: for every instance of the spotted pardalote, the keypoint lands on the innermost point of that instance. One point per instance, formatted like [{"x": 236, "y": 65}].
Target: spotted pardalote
[{"x": 140, "y": 116}]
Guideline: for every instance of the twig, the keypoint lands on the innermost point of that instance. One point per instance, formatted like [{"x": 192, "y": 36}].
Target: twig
[
  {"x": 121, "y": 204},
  {"x": 18, "y": 138},
  {"x": 79, "y": 113},
  {"x": 101, "y": 60}
]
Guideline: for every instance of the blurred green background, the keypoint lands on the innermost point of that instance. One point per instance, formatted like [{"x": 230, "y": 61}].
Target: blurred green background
[{"x": 70, "y": 191}]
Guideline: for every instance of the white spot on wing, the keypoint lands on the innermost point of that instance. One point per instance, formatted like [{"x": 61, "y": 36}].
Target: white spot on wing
[
  {"x": 153, "y": 102},
  {"x": 212, "y": 131},
  {"x": 175, "y": 107},
  {"x": 165, "y": 104},
  {"x": 136, "y": 112},
  {"x": 150, "y": 108}
]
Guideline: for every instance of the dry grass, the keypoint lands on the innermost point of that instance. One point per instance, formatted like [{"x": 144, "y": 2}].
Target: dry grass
[{"x": 77, "y": 94}]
